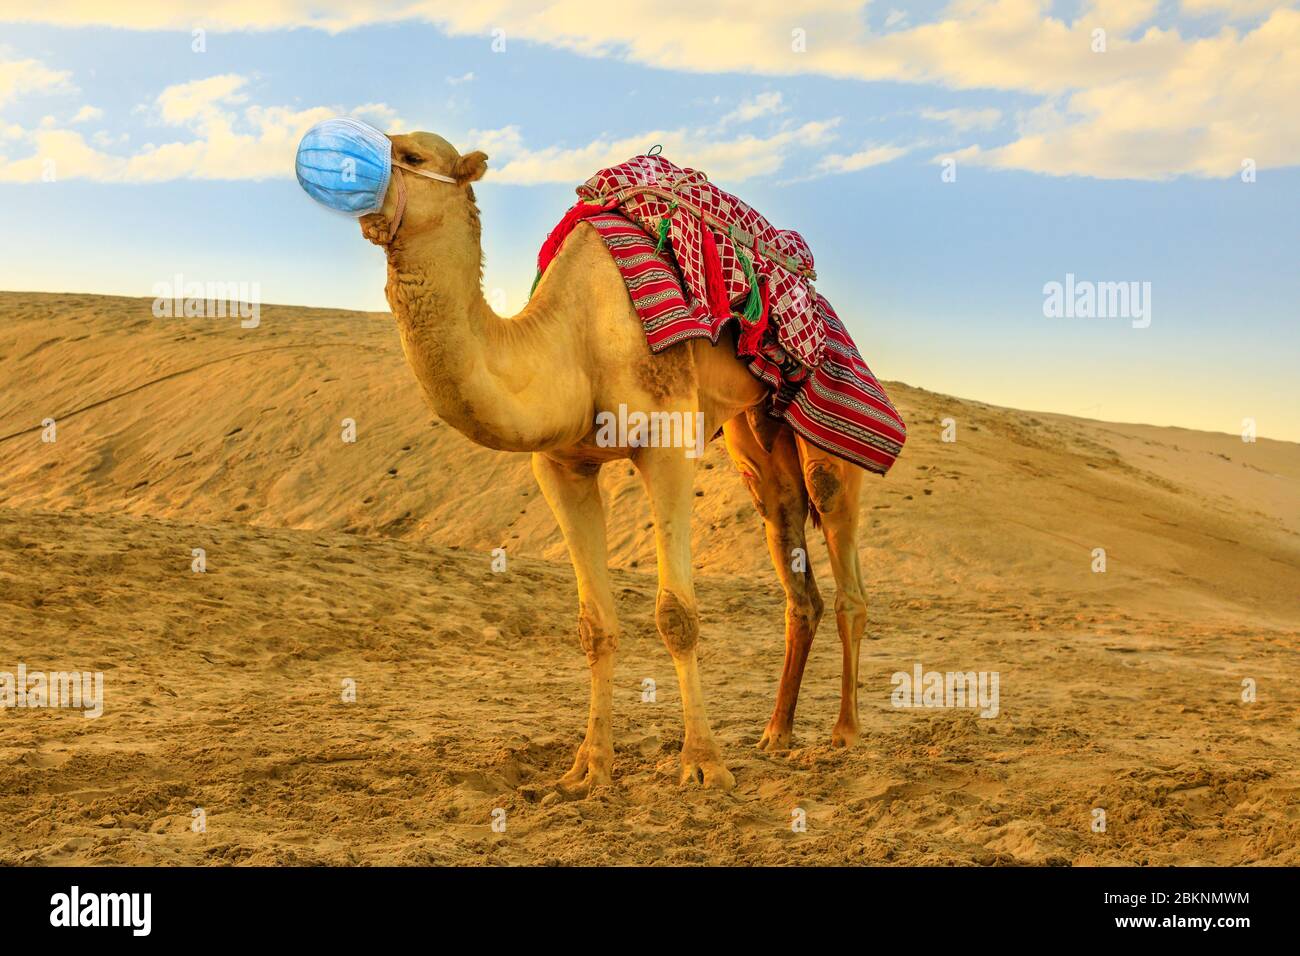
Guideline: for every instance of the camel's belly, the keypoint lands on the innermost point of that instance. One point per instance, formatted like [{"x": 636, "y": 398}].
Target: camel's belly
[{"x": 677, "y": 399}]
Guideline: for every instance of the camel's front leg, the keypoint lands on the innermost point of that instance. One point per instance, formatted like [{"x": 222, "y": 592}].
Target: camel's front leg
[
  {"x": 574, "y": 497},
  {"x": 668, "y": 475}
]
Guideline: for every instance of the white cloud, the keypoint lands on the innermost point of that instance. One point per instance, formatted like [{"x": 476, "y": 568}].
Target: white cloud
[
  {"x": 1231, "y": 98},
  {"x": 87, "y": 114},
  {"x": 331, "y": 15},
  {"x": 764, "y": 104},
  {"x": 1120, "y": 16},
  {"x": 1149, "y": 74},
  {"x": 20, "y": 77},
  {"x": 500, "y": 144},
  {"x": 1233, "y": 9},
  {"x": 964, "y": 120},
  {"x": 106, "y": 139},
  {"x": 200, "y": 102},
  {"x": 461, "y": 80},
  {"x": 230, "y": 139},
  {"x": 381, "y": 116},
  {"x": 862, "y": 159},
  {"x": 729, "y": 159}
]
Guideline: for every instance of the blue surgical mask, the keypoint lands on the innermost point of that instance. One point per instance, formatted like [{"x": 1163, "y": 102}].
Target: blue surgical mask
[{"x": 346, "y": 165}]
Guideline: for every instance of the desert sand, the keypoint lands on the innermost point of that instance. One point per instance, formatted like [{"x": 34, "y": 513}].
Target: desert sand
[{"x": 371, "y": 562}]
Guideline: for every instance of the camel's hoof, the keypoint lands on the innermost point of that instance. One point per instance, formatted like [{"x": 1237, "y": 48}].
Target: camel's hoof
[
  {"x": 774, "y": 740},
  {"x": 710, "y": 774},
  {"x": 844, "y": 735},
  {"x": 589, "y": 772},
  {"x": 581, "y": 788}
]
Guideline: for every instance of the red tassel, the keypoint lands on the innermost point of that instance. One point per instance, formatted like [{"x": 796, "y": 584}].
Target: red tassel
[
  {"x": 752, "y": 335},
  {"x": 715, "y": 287},
  {"x": 577, "y": 212}
]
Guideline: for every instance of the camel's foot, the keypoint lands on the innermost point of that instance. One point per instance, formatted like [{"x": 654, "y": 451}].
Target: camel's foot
[
  {"x": 845, "y": 733},
  {"x": 775, "y": 737},
  {"x": 703, "y": 767},
  {"x": 591, "y": 769}
]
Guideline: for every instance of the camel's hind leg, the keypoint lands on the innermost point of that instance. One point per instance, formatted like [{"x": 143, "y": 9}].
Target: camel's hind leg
[
  {"x": 776, "y": 482},
  {"x": 834, "y": 488},
  {"x": 574, "y": 497},
  {"x": 668, "y": 476}
]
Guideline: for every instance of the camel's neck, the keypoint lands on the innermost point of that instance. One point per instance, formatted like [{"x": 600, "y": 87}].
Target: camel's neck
[{"x": 474, "y": 366}]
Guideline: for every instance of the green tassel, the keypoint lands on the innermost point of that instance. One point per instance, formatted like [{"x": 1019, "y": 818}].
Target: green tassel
[
  {"x": 664, "y": 225},
  {"x": 753, "y": 310},
  {"x": 536, "y": 279}
]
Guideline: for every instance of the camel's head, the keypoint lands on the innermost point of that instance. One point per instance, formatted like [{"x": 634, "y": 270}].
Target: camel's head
[
  {"x": 408, "y": 183},
  {"x": 435, "y": 180}
]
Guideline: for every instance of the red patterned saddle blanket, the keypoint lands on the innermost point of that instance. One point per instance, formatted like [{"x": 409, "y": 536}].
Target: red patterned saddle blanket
[
  {"x": 728, "y": 254},
  {"x": 837, "y": 405}
]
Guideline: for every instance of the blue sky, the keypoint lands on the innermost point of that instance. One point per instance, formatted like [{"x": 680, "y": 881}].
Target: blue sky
[{"x": 127, "y": 157}]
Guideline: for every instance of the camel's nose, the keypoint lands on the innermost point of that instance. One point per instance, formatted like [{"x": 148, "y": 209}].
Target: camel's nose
[{"x": 345, "y": 164}]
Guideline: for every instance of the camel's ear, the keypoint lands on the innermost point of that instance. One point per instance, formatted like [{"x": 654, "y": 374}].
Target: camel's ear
[{"x": 471, "y": 167}]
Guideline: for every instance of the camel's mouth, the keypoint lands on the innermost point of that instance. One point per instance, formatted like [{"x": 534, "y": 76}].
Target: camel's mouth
[{"x": 374, "y": 226}]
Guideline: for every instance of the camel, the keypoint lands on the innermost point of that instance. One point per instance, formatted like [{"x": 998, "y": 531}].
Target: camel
[{"x": 535, "y": 383}]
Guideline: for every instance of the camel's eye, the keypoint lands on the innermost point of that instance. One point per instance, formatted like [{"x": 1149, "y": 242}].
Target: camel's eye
[{"x": 411, "y": 160}]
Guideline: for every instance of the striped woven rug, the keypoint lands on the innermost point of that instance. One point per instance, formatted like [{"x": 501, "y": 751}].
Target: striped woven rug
[{"x": 838, "y": 406}]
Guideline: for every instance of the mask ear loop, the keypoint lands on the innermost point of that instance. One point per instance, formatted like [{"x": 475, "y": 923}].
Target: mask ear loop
[
  {"x": 401, "y": 205},
  {"x": 401, "y": 200},
  {"x": 401, "y": 193},
  {"x": 440, "y": 177}
]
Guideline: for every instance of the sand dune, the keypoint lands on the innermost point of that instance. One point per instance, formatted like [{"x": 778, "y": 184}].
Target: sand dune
[{"x": 370, "y": 561}]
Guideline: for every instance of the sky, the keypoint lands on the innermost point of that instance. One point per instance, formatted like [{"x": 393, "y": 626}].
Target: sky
[{"x": 947, "y": 162}]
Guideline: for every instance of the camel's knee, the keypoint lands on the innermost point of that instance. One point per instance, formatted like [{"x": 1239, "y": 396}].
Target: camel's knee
[
  {"x": 825, "y": 487},
  {"x": 850, "y": 600},
  {"x": 851, "y": 612},
  {"x": 678, "y": 623},
  {"x": 803, "y": 613},
  {"x": 597, "y": 637}
]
